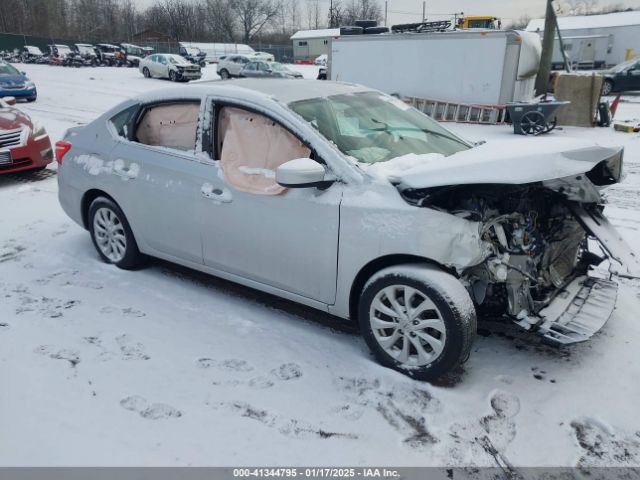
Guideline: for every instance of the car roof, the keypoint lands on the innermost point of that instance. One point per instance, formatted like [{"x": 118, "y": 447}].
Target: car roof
[{"x": 282, "y": 90}]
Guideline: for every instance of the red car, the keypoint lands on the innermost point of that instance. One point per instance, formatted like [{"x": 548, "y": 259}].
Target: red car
[{"x": 24, "y": 145}]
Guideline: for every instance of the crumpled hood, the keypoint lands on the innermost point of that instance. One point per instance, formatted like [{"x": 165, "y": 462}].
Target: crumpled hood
[{"x": 518, "y": 160}]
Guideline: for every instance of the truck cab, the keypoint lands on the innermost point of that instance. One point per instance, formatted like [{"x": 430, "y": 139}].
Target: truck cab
[{"x": 486, "y": 22}]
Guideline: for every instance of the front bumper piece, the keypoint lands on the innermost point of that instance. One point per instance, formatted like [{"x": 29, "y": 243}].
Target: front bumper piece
[{"x": 579, "y": 311}]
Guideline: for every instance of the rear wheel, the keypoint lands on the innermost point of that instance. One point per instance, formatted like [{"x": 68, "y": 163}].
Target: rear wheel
[
  {"x": 224, "y": 74},
  {"x": 418, "y": 320},
  {"x": 112, "y": 235},
  {"x": 607, "y": 87},
  {"x": 146, "y": 72}
]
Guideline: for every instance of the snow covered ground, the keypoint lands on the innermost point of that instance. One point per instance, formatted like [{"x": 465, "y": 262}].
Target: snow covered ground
[{"x": 165, "y": 366}]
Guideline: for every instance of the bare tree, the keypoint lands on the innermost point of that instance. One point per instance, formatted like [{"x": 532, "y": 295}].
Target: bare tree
[
  {"x": 362, "y": 10},
  {"x": 254, "y": 15},
  {"x": 313, "y": 14}
]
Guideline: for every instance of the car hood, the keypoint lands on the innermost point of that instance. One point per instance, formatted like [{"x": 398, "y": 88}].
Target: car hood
[
  {"x": 516, "y": 161},
  {"x": 12, "y": 79},
  {"x": 12, "y": 118}
]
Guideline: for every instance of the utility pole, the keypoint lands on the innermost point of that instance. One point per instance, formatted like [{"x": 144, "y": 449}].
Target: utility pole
[
  {"x": 331, "y": 14},
  {"x": 386, "y": 10},
  {"x": 424, "y": 11},
  {"x": 542, "y": 80}
]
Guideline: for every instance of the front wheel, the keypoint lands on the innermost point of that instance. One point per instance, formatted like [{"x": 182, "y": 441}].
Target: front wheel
[
  {"x": 607, "y": 87},
  {"x": 146, "y": 72},
  {"x": 172, "y": 76},
  {"x": 418, "y": 320},
  {"x": 112, "y": 235}
]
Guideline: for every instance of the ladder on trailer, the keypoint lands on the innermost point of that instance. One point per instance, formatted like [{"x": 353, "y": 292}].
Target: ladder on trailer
[{"x": 460, "y": 112}]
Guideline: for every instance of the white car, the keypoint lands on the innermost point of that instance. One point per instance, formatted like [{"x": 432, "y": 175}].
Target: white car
[
  {"x": 347, "y": 200},
  {"x": 322, "y": 60},
  {"x": 230, "y": 66},
  {"x": 173, "y": 67}
]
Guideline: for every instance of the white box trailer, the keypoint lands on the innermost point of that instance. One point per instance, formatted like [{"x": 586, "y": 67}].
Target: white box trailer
[
  {"x": 622, "y": 30},
  {"x": 475, "y": 67}
]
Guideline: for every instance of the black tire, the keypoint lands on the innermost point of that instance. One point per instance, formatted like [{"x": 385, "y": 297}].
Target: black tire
[
  {"x": 607, "y": 87},
  {"x": 172, "y": 76},
  {"x": 146, "y": 72},
  {"x": 224, "y": 74},
  {"x": 132, "y": 257},
  {"x": 455, "y": 310}
]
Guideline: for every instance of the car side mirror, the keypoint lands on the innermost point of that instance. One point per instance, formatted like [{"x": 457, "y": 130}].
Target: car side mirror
[{"x": 302, "y": 173}]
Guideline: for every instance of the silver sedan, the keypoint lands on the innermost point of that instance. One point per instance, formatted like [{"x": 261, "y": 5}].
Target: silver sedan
[{"x": 350, "y": 201}]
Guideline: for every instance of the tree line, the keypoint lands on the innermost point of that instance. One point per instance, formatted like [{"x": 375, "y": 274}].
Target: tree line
[{"x": 245, "y": 21}]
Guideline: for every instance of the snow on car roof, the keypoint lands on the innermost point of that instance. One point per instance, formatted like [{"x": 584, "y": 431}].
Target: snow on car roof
[
  {"x": 619, "y": 19},
  {"x": 283, "y": 90}
]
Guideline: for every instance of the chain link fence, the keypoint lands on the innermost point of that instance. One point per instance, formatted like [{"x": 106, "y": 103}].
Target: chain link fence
[{"x": 11, "y": 41}]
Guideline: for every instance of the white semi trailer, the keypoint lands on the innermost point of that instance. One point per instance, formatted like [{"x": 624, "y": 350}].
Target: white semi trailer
[{"x": 470, "y": 66}]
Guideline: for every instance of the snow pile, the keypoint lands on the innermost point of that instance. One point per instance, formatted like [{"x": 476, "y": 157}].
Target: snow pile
[{"x": 401, "y": 165}]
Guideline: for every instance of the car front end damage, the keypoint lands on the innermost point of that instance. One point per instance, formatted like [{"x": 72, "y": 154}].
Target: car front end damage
[{"x": 543, "y": 241}]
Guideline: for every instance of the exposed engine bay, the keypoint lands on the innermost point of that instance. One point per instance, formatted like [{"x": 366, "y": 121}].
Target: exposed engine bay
[{"x": 537, "y": 245}]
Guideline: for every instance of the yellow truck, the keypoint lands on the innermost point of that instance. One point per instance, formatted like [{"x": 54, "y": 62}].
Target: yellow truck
[{"x": 491, "y": 23}]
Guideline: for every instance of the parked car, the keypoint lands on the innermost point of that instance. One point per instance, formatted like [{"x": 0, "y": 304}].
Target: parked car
[
  {"x": 24, "y": 145},
  {"x": 14, "y": 83},
  {"x": 322, "y": 60},
  {"x": 261, "y": 69},
  {"x": 267, "y": 57},
  {"x": 322, "y": 73},
  {"x": 622, "y": 77},
  {"x": 194, "y": 55},
  {"x": 173, "y": 67},
  {"x": 108, "y": 54},
  {"x": 31, "y": 54},
  {"x": 132, "y": 54},
  {"x": 230, "y": 66},
  {"x": 347, "y": 200}
]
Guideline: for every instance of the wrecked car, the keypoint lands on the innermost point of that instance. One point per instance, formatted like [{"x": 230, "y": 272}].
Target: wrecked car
[{"x": 347, "y": 200}]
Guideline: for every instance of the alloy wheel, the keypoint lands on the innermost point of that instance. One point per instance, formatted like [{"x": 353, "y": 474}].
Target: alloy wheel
[
  {"x": 110, "y": 234},
  {"x": 407, "y": 325}
]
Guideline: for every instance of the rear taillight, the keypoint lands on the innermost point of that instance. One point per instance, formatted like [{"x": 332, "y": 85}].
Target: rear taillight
[{"x": 62, "y": 148}]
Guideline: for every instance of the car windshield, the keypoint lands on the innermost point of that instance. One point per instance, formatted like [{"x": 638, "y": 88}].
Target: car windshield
[
  {"x": 623, "y": 66},
  {"x": 372, "y": 127},
  {"x": 6, "y": 69},
  {"x": 63, "y": 49}
]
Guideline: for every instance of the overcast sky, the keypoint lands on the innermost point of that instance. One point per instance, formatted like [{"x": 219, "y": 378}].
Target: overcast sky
[{"x": 407, "y": 11}]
